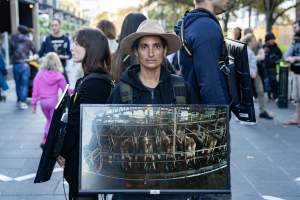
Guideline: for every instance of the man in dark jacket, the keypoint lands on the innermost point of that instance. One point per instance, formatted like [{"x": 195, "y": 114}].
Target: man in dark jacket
[
  {"x": 149, "y": 82},
  {"x": 58, "y": 43},
  {"x": 20, "y": 48},
  {"x": 272, "y": 57},
  {"x": 204, "y": 39}
]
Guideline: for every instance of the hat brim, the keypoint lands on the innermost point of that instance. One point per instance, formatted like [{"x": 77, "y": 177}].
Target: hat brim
[{"x": 173, "y": 41}]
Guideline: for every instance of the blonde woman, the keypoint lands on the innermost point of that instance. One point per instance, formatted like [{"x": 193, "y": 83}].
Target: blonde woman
[{"x": 46, "y": 85}]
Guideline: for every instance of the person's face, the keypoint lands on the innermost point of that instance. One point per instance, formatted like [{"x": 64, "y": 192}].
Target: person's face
[
  {"x": 271, "y": 42},
  {"x": 296, "y": 28},
  {"x": 55, "y": 27},
  {"x": 150, "y": 52},
  {"x": 78, "y": 52},
  {"x": 220, "y": 6},
  {"x": 253, "y": 43}
]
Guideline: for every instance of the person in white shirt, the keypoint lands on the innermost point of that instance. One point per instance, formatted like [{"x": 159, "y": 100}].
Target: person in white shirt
[{"x": 250, "y": 40}]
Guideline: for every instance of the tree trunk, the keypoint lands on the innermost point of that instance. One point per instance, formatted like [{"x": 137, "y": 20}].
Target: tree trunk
[
  {"x": 298, "y": 10},
  {"x": 225, "y": 21},
  {"x": 269, "y": 23},
  {"x": 250, "y": 12}
]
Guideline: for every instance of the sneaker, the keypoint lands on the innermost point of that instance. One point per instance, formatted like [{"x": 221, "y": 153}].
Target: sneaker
[
  {"x": 265, "y": 115},
  {"x": 23, "y": 106}
]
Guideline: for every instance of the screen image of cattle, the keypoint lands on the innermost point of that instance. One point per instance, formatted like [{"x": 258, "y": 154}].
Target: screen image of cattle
[{"x": 154, "y": 147}]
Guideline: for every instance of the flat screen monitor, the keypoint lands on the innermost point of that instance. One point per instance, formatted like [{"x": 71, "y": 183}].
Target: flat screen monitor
[
  {"x": 154, "y": 149},
  {"x": 240, "y": 81}
]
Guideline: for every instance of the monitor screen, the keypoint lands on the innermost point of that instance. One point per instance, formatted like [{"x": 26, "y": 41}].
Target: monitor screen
[{"x": 164, "y": 148}]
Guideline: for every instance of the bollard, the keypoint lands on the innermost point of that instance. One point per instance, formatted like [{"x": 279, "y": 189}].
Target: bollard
[{"x": 283, "y": 87}]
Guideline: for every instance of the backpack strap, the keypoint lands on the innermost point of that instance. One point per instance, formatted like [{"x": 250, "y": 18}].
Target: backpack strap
[
  {"x": 126, "y": 93},
  {"x": 179, "y": 89},
  {"x": 178, "y": 84},
  {"x": 185, "y": 46},
  {"x": 223, "y": 60}
]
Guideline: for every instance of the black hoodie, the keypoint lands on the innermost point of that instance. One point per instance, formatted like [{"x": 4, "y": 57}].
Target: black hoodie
[
  {"x": 204, "y": 37},
  {"x": 162, "y": 94}
]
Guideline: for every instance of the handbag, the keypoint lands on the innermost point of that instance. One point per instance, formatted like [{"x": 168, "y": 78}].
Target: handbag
[{"x": 295, "y": 67}]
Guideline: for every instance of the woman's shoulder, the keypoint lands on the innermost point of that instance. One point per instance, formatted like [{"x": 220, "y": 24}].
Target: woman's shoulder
[
  {"x": 96, "y": 77},
  {"x": 97, "y": 81}
]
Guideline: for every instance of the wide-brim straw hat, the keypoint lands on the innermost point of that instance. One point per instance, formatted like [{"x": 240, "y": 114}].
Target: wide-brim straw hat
[{"x": 151, "y": 28}]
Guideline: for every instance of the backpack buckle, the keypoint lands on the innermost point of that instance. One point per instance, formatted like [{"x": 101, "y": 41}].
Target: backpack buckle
[{"x": 224, "y": 68}]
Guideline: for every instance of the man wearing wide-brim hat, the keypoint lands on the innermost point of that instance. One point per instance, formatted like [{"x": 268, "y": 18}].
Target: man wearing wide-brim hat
[{"x": 150, "y": 82}]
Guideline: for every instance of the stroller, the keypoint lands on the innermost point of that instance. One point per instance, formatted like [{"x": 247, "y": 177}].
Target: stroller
[{"x": 34, "y": 68}]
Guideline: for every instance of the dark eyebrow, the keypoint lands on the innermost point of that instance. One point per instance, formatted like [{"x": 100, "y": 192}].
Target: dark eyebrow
[{"x": 157, "y": 43}]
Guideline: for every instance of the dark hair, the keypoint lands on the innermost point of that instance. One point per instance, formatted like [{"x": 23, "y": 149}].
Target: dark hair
[
  {"x": 56, "y": 19},
  {"x": 130, "y": 25},
  {"x": 269, "y": 36},
  {"x": 239, "y": 36},
  {"x": 97, "y": 56},
  {"x": 23, "y": 29},
  {"x": 108, "y": 29}
]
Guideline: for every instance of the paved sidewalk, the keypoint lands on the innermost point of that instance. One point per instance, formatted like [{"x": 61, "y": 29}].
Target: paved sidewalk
[{"x": 265, "y": 157}]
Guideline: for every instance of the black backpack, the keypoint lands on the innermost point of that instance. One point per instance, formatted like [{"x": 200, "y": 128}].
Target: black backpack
[{"x": 244, "y": 110}]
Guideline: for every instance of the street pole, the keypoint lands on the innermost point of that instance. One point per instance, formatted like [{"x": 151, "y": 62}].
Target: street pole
[
  {"x": 6, "y": 48},
  {"x": 14, "y": 15},
  {"x": 36, "y": 35},
  {"x": 298, "y": 10}
]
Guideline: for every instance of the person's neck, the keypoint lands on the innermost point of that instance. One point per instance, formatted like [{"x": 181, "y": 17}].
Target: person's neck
[
  {"x": 56, "y": 34},
  {"x": 150, "y": 78},
  {"x": 206, "y": 5}
]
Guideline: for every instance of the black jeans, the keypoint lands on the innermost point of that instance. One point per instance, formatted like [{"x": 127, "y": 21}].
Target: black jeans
[{"x": 273, "y": 90}]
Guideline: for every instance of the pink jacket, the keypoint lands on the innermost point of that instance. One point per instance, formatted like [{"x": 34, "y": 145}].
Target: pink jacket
[{"x": 46, "y": 85}]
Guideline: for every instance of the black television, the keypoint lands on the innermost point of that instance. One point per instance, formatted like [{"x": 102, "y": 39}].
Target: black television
[
  {"x": 240, "y": 81},
  {"x": 155, "y": 149},
  {"x": 54, "y": 140}
]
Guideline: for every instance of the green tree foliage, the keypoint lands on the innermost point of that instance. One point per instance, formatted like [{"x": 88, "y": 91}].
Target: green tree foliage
[
  {"x": 171, "y": 10},
  {"x": 272, "y": 9},
  {"x": 168, "y": 11}
]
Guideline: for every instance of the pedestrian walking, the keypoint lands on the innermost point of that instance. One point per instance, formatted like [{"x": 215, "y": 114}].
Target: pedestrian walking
[
  {"x": 250, "y": 40},
  {"x": 273, "y": 56},
  {"x": 293, "y": 57},
  {"x": 3, "y": 78},
  {"x": 46, "y": 86},
  {"x": 121, "y": 60},
  {"x": 202, "y": 51},
  {"x": 21, "y": 47},
  {"x": 93, "y": 88},
  {"x": 58, "y": 43}
]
